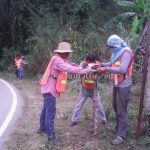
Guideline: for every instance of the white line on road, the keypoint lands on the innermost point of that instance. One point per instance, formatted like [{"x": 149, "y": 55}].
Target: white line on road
[{"x": 12, "y": 110}]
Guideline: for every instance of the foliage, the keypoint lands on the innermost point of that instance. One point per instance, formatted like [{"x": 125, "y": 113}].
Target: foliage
[
  {"x": 75, "y": 22},
  {"x": 138, "y": 11},
  {"x": 7, "y": 58},
  {"x": 34, "y": 28},
  {"x": 140, "y": 8}
]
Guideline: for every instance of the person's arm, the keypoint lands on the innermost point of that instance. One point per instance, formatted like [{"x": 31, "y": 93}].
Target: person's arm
[
  {"x": 125, "y": 62},
  {"x": 64, "y": 66},
  {"x": 73, "y": 64},
  {"x": 106, "y": 64}
]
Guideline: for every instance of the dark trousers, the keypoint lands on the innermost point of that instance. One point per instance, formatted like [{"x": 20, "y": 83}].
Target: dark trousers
[
  {"x": 20, "y": 73},
  {"x": 16, "y": 72},
  {"x": 121, "y": 97},
  {"x": 48, "y": 115}
]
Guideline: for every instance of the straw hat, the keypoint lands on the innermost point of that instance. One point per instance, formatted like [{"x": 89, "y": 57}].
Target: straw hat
[{"x": 63, "y": 47}]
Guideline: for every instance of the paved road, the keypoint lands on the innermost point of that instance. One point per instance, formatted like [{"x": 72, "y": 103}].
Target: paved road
[
  {"x": 5, "y": 102},
  {"x": 9, "y": 110}
]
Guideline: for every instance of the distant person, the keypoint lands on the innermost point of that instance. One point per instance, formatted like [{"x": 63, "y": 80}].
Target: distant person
[
  {"x": 53, "y": 83},
  {"x": 19, "y": 62},
  {"x": 16, "y": 63},
  {"x": 23, "y": 62},
  {"x": 87, "y": 90},
  {"x": 120, "y": 68}
]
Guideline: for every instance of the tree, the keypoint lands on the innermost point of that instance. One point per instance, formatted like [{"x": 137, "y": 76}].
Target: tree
[
  {"x": 138, "y": 11},
  {"x": 147, "y": 86}
]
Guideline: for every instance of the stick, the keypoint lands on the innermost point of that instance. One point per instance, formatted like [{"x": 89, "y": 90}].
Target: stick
[{"x": 94, "y": 113}]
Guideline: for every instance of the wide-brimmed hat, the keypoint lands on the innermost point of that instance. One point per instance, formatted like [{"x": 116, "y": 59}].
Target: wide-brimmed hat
[{"x": 64, "y": 47}]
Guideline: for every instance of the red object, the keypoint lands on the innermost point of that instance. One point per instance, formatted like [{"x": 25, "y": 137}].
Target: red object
[{"x": 61, "y": 83}]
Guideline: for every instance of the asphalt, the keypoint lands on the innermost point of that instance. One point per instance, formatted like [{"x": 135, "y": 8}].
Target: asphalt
[{"x": 6, "y": 102}]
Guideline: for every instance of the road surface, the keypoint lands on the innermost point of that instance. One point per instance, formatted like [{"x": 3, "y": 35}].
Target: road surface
[{"x": 10, "y": 102}]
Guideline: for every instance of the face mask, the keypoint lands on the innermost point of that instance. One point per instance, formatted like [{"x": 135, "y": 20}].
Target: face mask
[{"x": 114, "y": 49}]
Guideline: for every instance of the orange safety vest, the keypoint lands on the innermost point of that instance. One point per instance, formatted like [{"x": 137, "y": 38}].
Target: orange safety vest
[
  {"x": 18, "y": 63},
  {"x": 118, "y": 78},
  {"x": 89, "y": 82},
  {"x": 61, "y": 82}
]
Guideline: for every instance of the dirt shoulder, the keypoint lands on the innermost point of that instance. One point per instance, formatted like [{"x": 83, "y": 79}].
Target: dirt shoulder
[{"x": 74, "y": 138}]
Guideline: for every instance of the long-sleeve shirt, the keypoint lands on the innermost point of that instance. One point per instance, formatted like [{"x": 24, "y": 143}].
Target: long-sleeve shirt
[
  {"x": 60, "y": 65},
  {"x": 122, "y": 69}
]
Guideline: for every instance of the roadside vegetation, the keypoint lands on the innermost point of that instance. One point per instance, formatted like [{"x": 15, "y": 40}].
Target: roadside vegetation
[{"x": 34, "y": 28}]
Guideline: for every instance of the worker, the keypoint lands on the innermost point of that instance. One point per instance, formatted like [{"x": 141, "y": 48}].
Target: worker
[
  {"x": 120, "y": 68},
  {"x": 88, "y": 85},
  {"x": 16, "y": 64},
  {"x": 53, "y": 83},
  {"x": 21, "y": 63}
]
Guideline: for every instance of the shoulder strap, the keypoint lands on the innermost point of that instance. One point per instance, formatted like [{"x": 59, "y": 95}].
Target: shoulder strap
[
  {"x": 132, "y": 55},
  {"x": 45, "y": 77}
]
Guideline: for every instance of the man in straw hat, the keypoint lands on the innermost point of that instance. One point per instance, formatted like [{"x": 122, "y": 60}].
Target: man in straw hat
[
  {"x": 120, "y": 68},
  {"x": 52, "y": 84}
]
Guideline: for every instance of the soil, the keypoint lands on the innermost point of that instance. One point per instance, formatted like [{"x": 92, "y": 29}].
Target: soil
[{"x": 78, "y": 137}]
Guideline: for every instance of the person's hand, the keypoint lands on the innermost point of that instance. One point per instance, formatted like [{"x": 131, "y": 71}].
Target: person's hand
[
  {"x": 95, "y": 67},
  {"x": 94, "y": 71},
  {"x": 85, "y": 64},
  {"x": 101, "y": 69}
]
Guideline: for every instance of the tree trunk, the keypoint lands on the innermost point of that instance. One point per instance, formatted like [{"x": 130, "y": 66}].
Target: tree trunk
[
  {"x": 147, "y": 91},
  {"x": 147, "y": 86}
]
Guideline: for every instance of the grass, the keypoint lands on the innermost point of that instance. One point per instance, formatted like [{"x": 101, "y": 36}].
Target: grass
[{"x": 74, "y": 138}]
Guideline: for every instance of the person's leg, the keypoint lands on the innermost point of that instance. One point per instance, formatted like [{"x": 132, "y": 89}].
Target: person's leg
[
  {"x": 42, "y": 118},
  {"x": 114, "y": 104},
  {"x": 50, "y": 110},
  {"x": 99, "y": 108},
  {"x": 16, "y": 72},
  {"x": 79, "y": 106},
  {"x": 122, "y": 99},
  {"x": 19, "y": 73}
]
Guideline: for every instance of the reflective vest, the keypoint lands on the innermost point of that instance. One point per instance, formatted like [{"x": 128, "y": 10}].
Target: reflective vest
[
  {"x": 118, "y": 78},
  {"x": 90, "y": 81},
  {"x": 18, "y": 63},
  {"x": 61, "y": 82}
]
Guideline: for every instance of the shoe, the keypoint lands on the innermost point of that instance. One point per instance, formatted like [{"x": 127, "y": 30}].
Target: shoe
[
  {"x": 117, "y": 141},
  {"x": 73, "y": 124},
  {"x": 41, "y": 132}
]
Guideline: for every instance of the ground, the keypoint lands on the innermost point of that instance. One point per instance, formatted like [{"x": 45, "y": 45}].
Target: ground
[{"x": 74, "y": 138}]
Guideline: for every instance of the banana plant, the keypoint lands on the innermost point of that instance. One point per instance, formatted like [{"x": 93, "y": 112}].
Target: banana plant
[
  {"x": 136, "y": 12},
  {"x": 140, "y": 8}
]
